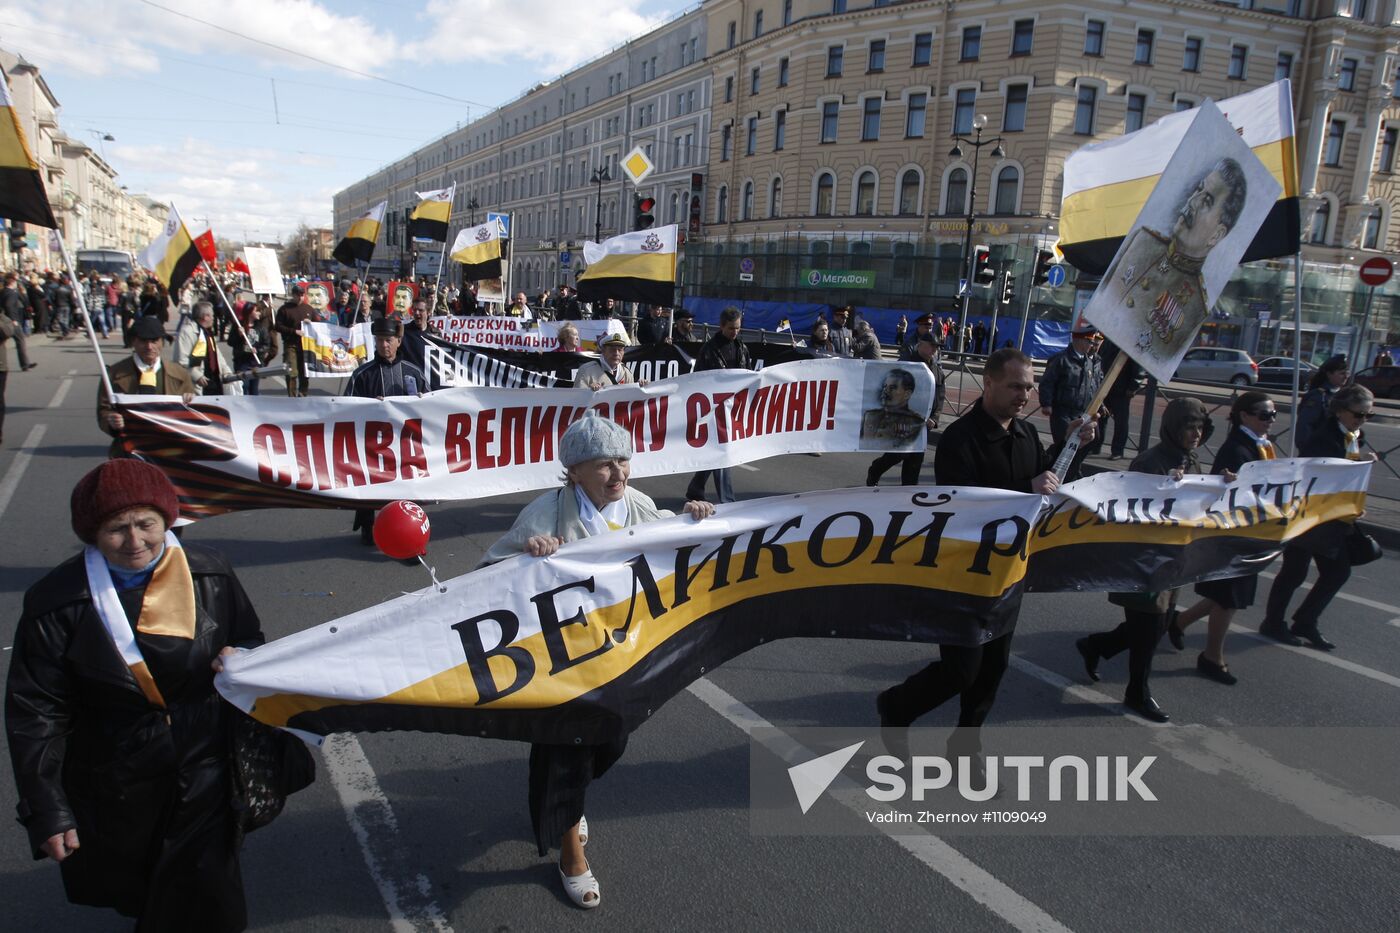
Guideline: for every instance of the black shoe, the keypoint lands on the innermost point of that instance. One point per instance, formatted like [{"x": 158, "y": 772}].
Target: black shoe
[
  {"x": 893, "y": 733},
  {"x": 1220, "y": 673},
  {"x": 1280, "y": 633},
  {"x": 1175, "y": 635},
  {"x": 871, "y": 478},
  {"x": 1147, "y": 708},
  {"x": 29, "y": 366},
  {"x": 1115, "y": 456},
  {"x": 1091, "y": 658},
  {"x": 366, "y": 534},
  {"x": 1312, "y": 636}
]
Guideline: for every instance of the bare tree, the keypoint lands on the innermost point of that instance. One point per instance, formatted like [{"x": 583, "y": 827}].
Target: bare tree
[{"x": 299, "y": 255}]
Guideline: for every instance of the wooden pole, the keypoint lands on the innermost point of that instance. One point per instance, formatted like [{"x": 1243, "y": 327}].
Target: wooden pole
[
  {"x": 1071, "y": 447},
  {"x": 87, "y": 318}
]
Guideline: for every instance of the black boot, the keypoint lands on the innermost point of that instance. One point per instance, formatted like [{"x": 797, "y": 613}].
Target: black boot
[
  {"x": 1275, "y": 629},
  {"x": 1146, "y": 707},
  {"x": 1091, "y": 658},
  {"x": 1308, "y": 632}
]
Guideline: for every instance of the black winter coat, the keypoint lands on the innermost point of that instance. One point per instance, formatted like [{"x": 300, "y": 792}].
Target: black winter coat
[
  {"x": 147, "y": 789},
  {"x": 1328, "y": 439}
]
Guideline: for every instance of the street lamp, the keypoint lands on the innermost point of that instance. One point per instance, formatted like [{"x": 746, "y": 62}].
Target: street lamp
[
  {"x": 101, "y": 138},
  {"x": 600, "y": 175},
  {"x": 472, "y": 206},
  {"x": 976, "y": 142}
]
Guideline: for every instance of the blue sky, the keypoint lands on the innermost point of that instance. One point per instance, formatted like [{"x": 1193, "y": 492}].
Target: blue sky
[{"x": 191, "y": 106}]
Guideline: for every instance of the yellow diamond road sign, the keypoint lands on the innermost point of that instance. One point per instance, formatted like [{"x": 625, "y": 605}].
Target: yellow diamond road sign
[{"x": 638, "y": 165}]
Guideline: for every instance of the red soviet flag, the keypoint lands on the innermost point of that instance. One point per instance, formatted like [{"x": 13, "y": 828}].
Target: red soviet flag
[{"x": 205, "y": 244}]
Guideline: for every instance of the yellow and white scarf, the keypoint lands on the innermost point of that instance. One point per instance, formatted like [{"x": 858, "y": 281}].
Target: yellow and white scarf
[{"x": 598, "y": 521}]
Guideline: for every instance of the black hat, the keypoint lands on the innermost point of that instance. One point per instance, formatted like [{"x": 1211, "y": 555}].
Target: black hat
[
  {"x": 298, "y": 290},
  {"x": 924, "y": 319},
  {"x": 684, "y": 315},
  {"x": 148, "y": 328},
  {"x": 387, "y": 327}
]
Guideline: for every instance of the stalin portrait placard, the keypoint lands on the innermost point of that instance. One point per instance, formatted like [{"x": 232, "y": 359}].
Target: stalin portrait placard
[{"x": 1184, "y": 246}]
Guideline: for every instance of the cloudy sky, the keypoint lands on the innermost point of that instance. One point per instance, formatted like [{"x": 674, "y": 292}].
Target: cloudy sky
[{"x": 253, "y": 113}]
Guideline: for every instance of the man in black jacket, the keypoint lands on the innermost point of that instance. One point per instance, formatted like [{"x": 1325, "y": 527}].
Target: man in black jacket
[
  {"x": 991, "y": 447},
  {"x": 722, "y": 351},
  {"x": 14, "y": 304}
]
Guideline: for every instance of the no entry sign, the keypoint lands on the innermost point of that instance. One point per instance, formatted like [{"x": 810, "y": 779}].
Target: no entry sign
[{"x": 1376, "y": 271}]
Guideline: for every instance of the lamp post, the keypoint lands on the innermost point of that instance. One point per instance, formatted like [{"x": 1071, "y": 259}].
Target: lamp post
[
  {"x": 600, "y": 175},
  {"x": 102, "y": 137},
  {"x": 472, "y": 205},
  {"x": 976, "y": 142}
]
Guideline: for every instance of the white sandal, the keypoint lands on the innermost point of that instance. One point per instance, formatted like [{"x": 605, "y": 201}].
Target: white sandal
[
  {"x": 578, "y": 887},
  {"x": 583, "y": 830}
]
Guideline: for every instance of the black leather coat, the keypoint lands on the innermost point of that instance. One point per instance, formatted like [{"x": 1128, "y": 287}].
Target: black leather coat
[{"x": 147, "y": 789}]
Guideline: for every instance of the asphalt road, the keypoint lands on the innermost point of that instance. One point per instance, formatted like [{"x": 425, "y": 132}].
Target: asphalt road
[{"x": 432, "y": 830}]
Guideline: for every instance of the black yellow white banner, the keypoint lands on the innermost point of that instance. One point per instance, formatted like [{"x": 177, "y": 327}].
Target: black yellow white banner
[
  {"x": 478, "y": 249},
  {"x": 428, "y": 221},
  {"x": 1106, "y": 184},
  {"x": 585, "y": 645},
  {"x": 639, "y": 266},
  {"x": 358, "y": 243},
  {"x": 225, "y": 453},
  {"x": 22, "y": 194},
  {"x": 332, "y": 350},
  {"x": 505, "y": 333},
  {"x": 172, "y": 255}
]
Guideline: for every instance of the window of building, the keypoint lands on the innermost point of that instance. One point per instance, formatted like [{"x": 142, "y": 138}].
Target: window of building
[
  {"x": 877, "y": 55},
  {"x": 865, "y": 194},
  {"x": 870, "y": 120},
  {"x": 1184, "y": 103},
  {"x": 1356, "y": 9},
  {"x": 971, "y": 43},
  {"x": 1008, "y": 184},
  {"x": 733, "y": 29},
  {"x": 726, "y": 141},
  {"x": 1142, "y": 54},
  {"x": 1346, "y": 79},
  {"x": 1336, "y": 135},
  {"x": 923, "y": 49},
  {"x": 779, "y": 129},
  {"x": 835, "y": 60},
  {"x": 1084, "y": 110},
  {"x": 915, "y": 113},
  {"x": 1239, "y": 62},
  {"x": 757, "y": 23},
  {"x": 722, "y": 205},
  {"x": 1284, "y": 67},
  {"x": 955, "y": 192},
  {"x": 1371, "y": 233},
  {"x": 826, "y": 193},
  {"x": 1388, "y": 140},
  {"x": 782, "y": 72},
  {"x": 746, "y": 204},
  {"x": 838, "y": 6},
  {"x": 1013, "y": 118},
  {"x": 1191, "y": 57},
  {"x": 1318, "y": 233},
  {"x": 909, "y": 192},
  {"x": 830, "y": 109},
  {"x": 965, "y": 103},
  {"x": 1137, "y": 110},
  {"x": 729, "y": 89},
  {"x": 751, "y": 140},
  {"x": 1093, "y": 37},
  {"x": 787, "y": 12},
  {"x": 775, "y": 198},
  {"x": 1022, "y": 36},
  {"x": 753, "y": 81}
]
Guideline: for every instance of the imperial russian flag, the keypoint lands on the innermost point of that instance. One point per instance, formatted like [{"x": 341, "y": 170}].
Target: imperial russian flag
[
  {"x": 429, "y": 219},
  {"x": 172, "y": 255},
  {"x": 22, "y": 194},
  {"x": 359, "y": 241},
  {"x": 478, "y": 249},
  {"x": 637, "y": 266}
]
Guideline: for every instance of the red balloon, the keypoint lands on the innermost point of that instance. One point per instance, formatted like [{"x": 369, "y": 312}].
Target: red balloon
[{"x": 401, "y": 530}]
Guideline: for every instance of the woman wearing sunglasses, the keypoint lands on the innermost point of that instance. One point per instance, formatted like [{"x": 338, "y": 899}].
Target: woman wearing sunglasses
[
  {"x": 1250, "y": 419},
  {"x": 1339, "y": 436}
]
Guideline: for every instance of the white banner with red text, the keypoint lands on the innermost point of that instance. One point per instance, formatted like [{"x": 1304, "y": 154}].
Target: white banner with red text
[{"x": 509, "y": 333}]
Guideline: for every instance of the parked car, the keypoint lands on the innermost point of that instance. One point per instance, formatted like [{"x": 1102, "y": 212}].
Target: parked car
[
  {"x": 1384, "y": 381},
  {"x": 1277, "y": 372},
  {"x": 1217, "y": 364}
]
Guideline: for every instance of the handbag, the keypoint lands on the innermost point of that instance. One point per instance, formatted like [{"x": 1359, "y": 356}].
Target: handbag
[
  {"x": 1362, "y": 548},
  {"x": 267, "y": 765}
]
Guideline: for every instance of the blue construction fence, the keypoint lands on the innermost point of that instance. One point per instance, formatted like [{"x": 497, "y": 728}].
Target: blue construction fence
[{"x": 1043, "y": 338}]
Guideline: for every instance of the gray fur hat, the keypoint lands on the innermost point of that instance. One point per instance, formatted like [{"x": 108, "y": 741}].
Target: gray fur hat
[{"x": 594, "y": 437}]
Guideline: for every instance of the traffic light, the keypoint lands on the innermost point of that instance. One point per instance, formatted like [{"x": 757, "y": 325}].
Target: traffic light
[
  {"x": 1008, "y": 288},
  {"x": 983, "y": 273},
  {"x": 17, "y": 232},
  {"x": 642, "y": 216},
  {"x": 1044, "y": 259}
]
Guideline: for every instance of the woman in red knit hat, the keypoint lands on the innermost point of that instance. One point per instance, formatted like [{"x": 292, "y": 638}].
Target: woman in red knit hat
[{"x": 118, "y": 740}]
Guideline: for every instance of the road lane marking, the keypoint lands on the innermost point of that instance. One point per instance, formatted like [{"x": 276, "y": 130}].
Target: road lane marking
[
  {"x": 1326, "y": 657},
  {"x": 749, "y": 467},
  {"x": 407, "y": 894},
  {"x": 10, "y": 483},
  {"x": 962, "y": 872},
  {"x": 1210, "y": 750},
  {"x": 1359, "y": 600},
  {"x": 63, "y": 388}
]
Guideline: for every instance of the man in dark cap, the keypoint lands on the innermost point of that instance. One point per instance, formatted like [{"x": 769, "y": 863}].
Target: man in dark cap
[
  {"x": 288, "y": 323},
  {"x": 683, "y": 331},
  {"x": 141, "y": 373},
  {"x": 383, "y": 377},
  {"x": 841, "y": 325}
]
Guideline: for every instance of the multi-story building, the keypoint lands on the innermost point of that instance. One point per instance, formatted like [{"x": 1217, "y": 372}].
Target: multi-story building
[{"x": 540, "y": 158}]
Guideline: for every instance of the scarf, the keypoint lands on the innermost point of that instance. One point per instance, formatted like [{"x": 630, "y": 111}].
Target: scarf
[
  {"x": 148, "y": 373},
  {"x": 1353, "y": 444},
  {"x": 167, "y": 608},
  {"x": 610, "y": 518}
]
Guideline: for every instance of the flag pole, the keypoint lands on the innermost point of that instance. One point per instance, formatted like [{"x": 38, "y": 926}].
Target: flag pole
[
  {"x": 227, "y": 304},
  {"x": 87, "y": 318},
  {"x": 437, "y": 279}
]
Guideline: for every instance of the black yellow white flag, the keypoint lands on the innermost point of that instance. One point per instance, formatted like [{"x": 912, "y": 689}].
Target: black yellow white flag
[
  {"x": 1106, "y": 184},
  {"x": 429, "y": 219},
  {"x": 22, "y": 194},
  {"x": 172, "y": 255},
  {"x": 638, "y": 266},
  {"x": 478, "y": 249},
  {"x": 359, "y": 240}
]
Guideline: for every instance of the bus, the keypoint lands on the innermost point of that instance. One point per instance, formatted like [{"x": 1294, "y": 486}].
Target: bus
[{"x": 108, "y": 263}]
